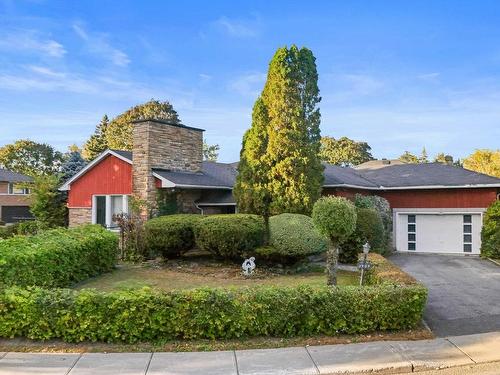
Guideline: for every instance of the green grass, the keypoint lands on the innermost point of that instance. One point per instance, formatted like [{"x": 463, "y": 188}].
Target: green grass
[{"x": 193, "y": 275}]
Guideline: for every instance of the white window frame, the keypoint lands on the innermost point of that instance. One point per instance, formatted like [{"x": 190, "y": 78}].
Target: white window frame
[
  {"x": 109, "y": 214},
  {"x": 11, "y": 186}
]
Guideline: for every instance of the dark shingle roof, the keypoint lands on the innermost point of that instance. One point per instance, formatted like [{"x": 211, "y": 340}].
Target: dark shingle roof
[
  {"x": 427, "y": 174},
  {"x": 9, "y": 176},
  {"x": 336, "y": 175},
  {"x": 124, "y": 154},
  {"x": 214, "y": 174}
]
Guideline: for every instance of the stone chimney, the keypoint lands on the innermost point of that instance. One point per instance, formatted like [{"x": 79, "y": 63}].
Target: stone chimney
[{"x": 165, "y": 145}]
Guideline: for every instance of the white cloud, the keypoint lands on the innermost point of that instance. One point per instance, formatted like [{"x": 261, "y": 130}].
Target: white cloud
[
  {"x": 430, "y": 77},
  {"x": 97, "y": 44},
  {"x": 362, "y": 84},
  {"x": 238, "y": 28},
  {"x": 204, "y": 78},
  {"x": 249, "y": 85},
  {"x": 31, "y": 41}
]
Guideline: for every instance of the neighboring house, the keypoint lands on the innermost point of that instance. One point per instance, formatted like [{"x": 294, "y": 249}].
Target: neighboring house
[
  {"x": 14, "y": 197},
  {"x": 437, "y": 207}
]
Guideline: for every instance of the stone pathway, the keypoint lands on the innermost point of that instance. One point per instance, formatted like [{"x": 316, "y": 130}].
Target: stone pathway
[{"x": 384, "y": 356}]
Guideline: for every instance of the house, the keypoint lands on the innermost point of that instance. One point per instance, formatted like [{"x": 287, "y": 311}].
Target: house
[
  {"x": 436, "y": 207},
  {"x": 14, "y": 197}
]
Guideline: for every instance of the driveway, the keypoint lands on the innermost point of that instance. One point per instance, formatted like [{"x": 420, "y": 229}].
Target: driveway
[{"x": 464, "y": 292}]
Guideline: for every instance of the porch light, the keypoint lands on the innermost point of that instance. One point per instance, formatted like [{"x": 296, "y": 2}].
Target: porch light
[{"x": 366, "y": 248}]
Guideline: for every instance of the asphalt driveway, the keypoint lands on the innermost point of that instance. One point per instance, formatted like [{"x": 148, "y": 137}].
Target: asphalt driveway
[{"x": 464, "y": 292}]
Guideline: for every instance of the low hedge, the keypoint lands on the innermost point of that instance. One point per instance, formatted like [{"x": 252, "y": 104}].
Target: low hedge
[
  {"x": 170, "y": 235},
  {"x": 147, "y": 315},
  {"x": 490, "y": 234},
  {"x": 393, "y": 302},
  {"x": 58, "y": 257},
  {"x": 230, "y": 236}
]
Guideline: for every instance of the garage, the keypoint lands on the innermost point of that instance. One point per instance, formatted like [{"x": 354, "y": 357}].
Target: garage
[
  {"x": 438, "y": 231},
  {"x": 13, "y": 214}
]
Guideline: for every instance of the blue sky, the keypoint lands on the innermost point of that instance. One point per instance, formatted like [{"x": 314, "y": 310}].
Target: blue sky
[{"x": 399, "y": 75}]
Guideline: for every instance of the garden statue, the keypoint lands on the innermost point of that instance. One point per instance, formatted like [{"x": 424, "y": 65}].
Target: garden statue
[{"x": 248, "y": 266}]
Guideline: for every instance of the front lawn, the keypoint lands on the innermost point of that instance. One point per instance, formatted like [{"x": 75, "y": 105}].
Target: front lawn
[{"x": 203, "y": 272}]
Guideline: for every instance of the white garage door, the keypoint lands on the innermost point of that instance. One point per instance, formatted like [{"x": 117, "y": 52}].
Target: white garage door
[{"x": 439, "y": 233}]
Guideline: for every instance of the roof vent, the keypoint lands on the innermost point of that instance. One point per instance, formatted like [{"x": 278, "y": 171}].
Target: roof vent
[{"x": 385, "y": 161}]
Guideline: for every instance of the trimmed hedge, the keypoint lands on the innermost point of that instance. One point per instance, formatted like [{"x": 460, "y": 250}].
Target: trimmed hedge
[
  {"x": 294, "y": 236},
  {"x": 171, "y": 235},
  {"x": 58, "y": 257},
  {"x": 490, "y": 234},
  {"x": 147, "y": 315},
  {"x": 395, "y": 301},
  {"x": 230, "y": 236}
]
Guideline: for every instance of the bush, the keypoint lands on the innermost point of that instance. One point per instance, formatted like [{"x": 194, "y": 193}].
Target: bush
[
  {"x": 334, "y": 217},
  {"x": 31, "y": 227},
  {"x": 382, "y": 206},
  {"x": 8, "y": 231},
  {"x": 171, "y": 235},
  {"x": 58, "y": 257},
  {"x": 369, "y": 228},
  {"x": 490, "y": 234},
  {"x": 294, "y": 236},
  {"x": 230, "y": 236}
]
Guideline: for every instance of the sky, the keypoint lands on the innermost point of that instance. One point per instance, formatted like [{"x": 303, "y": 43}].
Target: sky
[{"x": 400, "y": 75}]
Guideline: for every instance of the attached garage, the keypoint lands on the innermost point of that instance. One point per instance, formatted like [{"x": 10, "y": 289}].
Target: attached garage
[
  {"x": 438, "y": 231},
  {"x": 14, "y": 214}
]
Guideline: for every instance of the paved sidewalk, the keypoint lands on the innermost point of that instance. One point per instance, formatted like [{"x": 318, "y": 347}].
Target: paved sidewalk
[{"x": 382, "y": 356}]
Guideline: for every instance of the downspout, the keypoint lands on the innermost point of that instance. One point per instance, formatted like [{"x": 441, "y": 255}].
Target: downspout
[{"x": 199, "y": 208}]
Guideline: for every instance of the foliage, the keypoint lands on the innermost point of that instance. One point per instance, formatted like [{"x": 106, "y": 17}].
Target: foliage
[
  {"x": 410, "y": 158},
  {"x": 386, "y": 272},
  {"x": 30, "y": 158},
  {"x": 132, "y": 236},
  {"x": 280, "y": 170},
  {"x": 30, "y": 227},
  {"x": 382, "y": 206},
  {"x": 490, "y": 234},
  {"x": 7, "y": 231},
  {"x": 73, "y": 163},
  {"x": 119, "y": 131},
  {"x": 97, "y": 143},
  {"x": 58, "y": 257},
  {"x": 47, "y": 202},
  {"x": 344, "y": 151},
  {"x": 442, "y": 158},
  {"x": 166, "y": 202},
  {"x": 334, "y": 217},
  {"x": 424, "y": 157},
  {"x": 294, "y": 236},
  {"x": 230, "y": 236},
  {"x": 369, "y": 228},
  {"x": 484, "y": 161},
  {"x": 210, "y": 152},
  {"x": 148, "y": 315},
  {"x": 171, "y": 235}
]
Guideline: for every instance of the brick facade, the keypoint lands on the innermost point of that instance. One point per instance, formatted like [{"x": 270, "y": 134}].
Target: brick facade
[
  {"x": 79, "y": 216},
  {"x": 159, "y": 144}
]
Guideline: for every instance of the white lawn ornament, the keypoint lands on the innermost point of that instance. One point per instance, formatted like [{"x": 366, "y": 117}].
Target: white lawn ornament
[{"x": 248, "y": 266}]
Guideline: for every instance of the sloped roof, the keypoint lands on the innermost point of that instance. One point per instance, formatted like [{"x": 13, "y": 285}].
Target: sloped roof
[
  {"x": 336, "y": 175},
  {"x": 9, "y": 176},
  {"x": 213, "y": 174}
]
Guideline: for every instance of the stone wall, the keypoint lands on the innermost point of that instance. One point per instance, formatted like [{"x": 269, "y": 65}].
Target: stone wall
[
  {"x": 79, "y": 216},
  {"x": 159, "y": 144}
]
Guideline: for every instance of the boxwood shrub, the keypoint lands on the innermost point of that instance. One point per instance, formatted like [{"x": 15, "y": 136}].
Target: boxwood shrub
[
  {"x": 170, "y": 235},
  {"x": 230, "y": 236},
  {"x": 490, "y": 234},
  {"x": 292, "y": 237},
  {"x": 58, "y": 257}
]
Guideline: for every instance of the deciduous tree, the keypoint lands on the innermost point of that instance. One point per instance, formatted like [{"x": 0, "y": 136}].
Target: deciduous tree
[
  {"x": 484, "y": 161},
  {"x": 31, "y": 158},
  {"x": 344, "y": 151},
  {"x": 210, "y": 152}
]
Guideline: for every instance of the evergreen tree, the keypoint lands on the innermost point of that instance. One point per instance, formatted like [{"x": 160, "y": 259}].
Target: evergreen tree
[
  {"x": 97, "y": 143},
  {"x": 73, "y": 163},
  {"x": 47, "y": 202},
  {"x": 424, "y": 158},
  {"x": 280, "y": 170}
]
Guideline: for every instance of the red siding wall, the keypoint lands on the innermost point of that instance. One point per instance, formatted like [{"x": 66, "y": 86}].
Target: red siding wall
[
  {"x": 438, "y": 198},
  {"x": 110, "y": 176}
]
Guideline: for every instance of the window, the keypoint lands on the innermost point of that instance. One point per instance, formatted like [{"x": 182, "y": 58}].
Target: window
[
  {"x": 104, "y": 207},
  {"x": 18, "y": 189},
  {"x": 467, "y": 233},
  {"x": 412, "y": 232}
]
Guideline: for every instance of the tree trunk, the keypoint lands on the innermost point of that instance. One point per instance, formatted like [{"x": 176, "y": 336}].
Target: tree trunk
[{"x": 332, "y": 256}]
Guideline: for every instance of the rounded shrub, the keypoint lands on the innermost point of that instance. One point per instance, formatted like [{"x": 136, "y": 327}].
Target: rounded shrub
[
  {"x": 171, "y": 235},
  {"x": 230, "y": 236},
  {"x": 369, "y": 228},
  {"x": 334, "y": 217},
  {"x": 294, "y": 236},
  {"x": 490, "y": 234}
]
